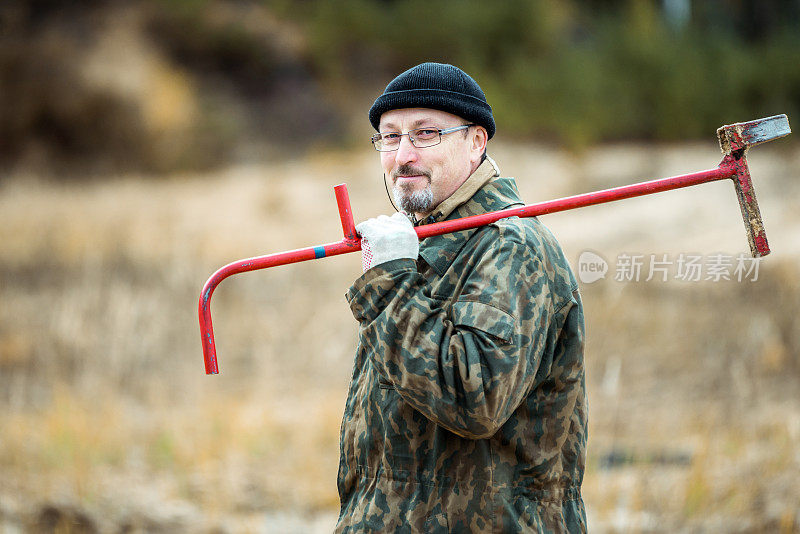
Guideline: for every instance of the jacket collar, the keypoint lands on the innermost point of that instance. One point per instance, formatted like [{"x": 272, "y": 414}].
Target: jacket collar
[
  {"x": 483, "y": 192},
  {"x": 485, "y": 172}
]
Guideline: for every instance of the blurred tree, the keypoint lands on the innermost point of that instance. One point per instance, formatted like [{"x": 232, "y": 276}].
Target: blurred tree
[{"x": 220, "y": 79}]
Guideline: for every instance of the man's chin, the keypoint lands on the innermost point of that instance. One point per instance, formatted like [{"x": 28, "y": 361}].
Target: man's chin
[{"x": 414, "y": 201}]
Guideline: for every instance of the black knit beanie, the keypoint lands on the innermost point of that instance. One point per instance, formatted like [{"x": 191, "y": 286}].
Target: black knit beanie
[{"x": 436, "y": 86}]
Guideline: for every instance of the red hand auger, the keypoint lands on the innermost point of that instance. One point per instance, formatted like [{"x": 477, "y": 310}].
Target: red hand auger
[{"x": 734, "y": 140}]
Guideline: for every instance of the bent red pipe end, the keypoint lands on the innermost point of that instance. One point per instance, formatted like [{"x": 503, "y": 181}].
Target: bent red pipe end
[
  {"x": 350, "y": 243},
  {"x": 207, "y": 329}
]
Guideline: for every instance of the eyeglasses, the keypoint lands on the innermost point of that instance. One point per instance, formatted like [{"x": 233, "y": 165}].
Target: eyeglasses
[{"x": 420, "y": 138}]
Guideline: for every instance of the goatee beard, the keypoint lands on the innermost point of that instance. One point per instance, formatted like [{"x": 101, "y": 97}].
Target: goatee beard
[
  {"x": 410, "y": 200},
  {"x": 414, "y": 201}
]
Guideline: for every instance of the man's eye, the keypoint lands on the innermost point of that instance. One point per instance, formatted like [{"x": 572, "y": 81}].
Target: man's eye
[
  {"x": 391, "y": 136},
  {"x": 426, "y": 133}
]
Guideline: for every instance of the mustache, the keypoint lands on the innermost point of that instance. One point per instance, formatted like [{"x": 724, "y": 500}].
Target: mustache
[{"x": 407, "y": 170}]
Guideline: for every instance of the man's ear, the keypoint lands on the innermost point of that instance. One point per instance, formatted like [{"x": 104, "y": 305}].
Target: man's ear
[{"x": 479, "y": 139}]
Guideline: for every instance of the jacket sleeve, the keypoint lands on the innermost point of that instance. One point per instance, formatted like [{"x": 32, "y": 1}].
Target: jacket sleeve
[{"x": 466, "y": 365}]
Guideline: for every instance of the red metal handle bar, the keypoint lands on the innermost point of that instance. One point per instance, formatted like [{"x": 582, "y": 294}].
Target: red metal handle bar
[
  {"x": 578, "y": 201},
  {"x": 352, "y": 243}
]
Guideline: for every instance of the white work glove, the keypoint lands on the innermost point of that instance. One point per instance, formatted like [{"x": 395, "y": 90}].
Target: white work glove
[{"x": 387, "y": 238}]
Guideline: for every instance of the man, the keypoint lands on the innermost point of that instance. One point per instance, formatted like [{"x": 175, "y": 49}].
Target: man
[{"x": 467, "y": 409}]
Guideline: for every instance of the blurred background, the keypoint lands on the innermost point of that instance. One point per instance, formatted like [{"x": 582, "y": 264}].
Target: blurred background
[{"x": 144, "y": 144}]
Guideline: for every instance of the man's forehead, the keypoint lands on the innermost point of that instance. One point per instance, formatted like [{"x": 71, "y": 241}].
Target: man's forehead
[{"x": 413, "y": 117}]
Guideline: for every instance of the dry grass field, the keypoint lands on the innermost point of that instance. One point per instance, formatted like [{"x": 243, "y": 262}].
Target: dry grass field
[{"x": 108, "y": 423}]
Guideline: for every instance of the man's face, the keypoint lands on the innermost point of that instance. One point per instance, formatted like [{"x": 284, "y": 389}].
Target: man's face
[{"x": 423, "y": 177}]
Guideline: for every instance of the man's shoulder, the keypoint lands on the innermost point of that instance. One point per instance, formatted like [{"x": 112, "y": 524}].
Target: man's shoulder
[
  {"x": 528, "y": 231},
  {"x": 539, "y": 242}
]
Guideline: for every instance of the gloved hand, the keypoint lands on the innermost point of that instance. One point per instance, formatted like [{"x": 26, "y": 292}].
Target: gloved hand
[{"x": 387, "y": 238}]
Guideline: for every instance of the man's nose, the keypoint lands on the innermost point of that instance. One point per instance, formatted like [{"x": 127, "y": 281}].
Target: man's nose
[{"x": 406, "y": 151}]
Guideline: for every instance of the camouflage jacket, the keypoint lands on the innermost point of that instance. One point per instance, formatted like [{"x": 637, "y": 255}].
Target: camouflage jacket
[{"x": 467, "y": 411}]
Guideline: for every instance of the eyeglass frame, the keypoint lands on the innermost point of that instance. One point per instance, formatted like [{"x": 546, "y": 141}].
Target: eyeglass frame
[{"x": 441, "y": 131}]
